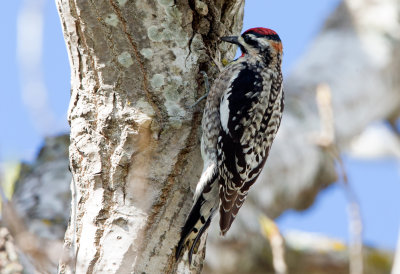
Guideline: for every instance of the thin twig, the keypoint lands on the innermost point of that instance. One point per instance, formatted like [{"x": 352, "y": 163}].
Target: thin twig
[
  {"x": 396, "y": 262},
  {"x": 271, "y": 232},
  {"x": 327, "y": 141},
  {"x": 355, "y": 223}
]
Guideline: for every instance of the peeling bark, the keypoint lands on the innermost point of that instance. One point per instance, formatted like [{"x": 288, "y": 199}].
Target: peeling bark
[{"x": 134, "y": 140}]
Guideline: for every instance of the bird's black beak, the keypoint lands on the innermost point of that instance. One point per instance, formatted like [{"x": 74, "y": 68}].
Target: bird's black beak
[{"x": 231, "y": 39}]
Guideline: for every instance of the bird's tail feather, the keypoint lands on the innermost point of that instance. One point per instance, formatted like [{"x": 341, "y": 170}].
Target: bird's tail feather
[
  {"x": 195, "y": 226},
  {"x": 206, "y": 202},
  {"x": 228, "y": 211}
]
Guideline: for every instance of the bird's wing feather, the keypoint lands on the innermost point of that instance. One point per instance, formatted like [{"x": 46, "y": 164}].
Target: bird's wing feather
[{"x": 242, "y": 99}]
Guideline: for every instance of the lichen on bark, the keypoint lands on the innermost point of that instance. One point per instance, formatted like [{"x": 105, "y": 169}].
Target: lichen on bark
[{"x": 134, "y": 140}]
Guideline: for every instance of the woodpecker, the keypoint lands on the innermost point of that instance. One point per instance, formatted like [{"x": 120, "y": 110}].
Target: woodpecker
[{"x": 241, "y": 118}]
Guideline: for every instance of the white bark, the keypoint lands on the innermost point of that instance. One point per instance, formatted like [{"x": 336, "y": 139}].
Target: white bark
[{"x": 134, "y": 140}]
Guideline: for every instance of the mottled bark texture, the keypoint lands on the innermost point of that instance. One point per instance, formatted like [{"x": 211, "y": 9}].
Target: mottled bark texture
[{"x": 134, "y": 148}]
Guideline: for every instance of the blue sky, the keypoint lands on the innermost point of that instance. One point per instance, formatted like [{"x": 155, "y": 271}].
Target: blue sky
[
  {"x": 24, "y": 135},
  {"x": 376, "y": 182}
]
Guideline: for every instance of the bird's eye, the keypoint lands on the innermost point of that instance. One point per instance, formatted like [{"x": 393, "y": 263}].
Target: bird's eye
[{"x": 249, "y": 40}]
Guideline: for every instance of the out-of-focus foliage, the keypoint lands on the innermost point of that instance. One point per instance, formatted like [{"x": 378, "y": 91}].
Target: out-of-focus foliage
[
  {"x": 306, "y": 253},
  {"x": 11, "y": 172}
]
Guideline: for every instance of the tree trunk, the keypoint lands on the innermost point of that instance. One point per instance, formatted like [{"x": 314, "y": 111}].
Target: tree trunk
[{"x": 134, "y": 149}]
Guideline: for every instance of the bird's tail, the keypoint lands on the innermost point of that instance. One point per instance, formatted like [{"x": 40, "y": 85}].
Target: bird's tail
[{"x": 199, "y": 217}]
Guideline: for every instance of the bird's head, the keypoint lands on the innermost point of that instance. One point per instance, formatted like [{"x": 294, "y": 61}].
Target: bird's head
[{"x": 258, "y": 42}]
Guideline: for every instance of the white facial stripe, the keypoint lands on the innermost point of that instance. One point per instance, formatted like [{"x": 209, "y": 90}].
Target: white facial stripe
[
  {"x": 264, "y": 42},
  {"x": 241, "y": 40}
]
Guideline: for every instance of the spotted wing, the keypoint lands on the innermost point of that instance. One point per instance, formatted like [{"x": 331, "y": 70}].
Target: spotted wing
[{"x": 240, "y": 160}]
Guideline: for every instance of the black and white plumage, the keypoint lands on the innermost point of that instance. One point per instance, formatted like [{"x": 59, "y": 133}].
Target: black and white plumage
[{"x": 241, "y": 118}]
